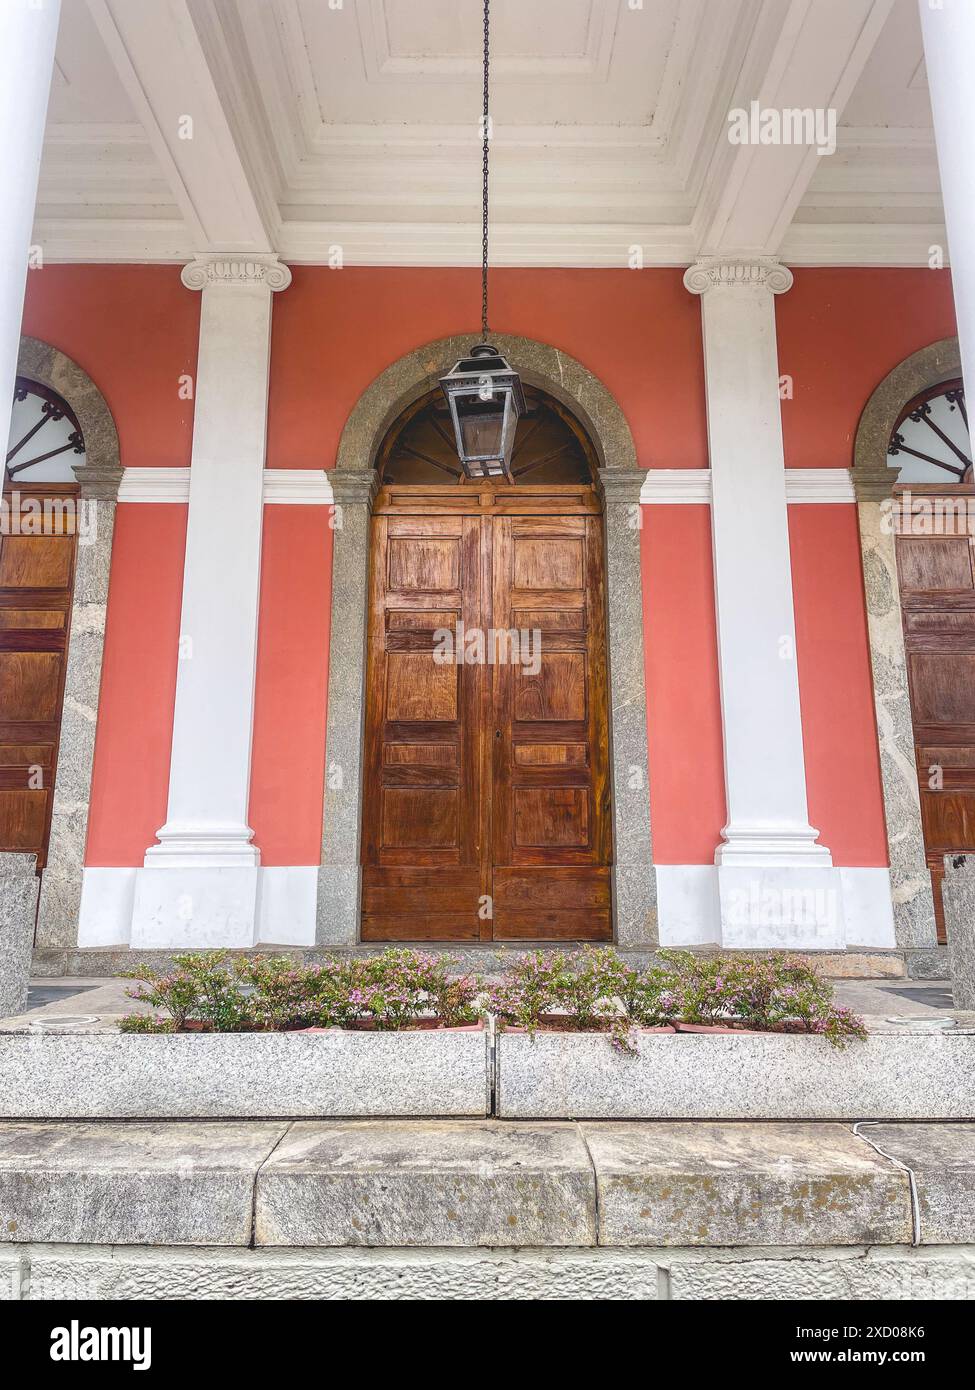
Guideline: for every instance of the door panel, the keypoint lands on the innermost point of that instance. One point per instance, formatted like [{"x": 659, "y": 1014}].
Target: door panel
[
  {"x": 485, "y": 807},
  {"x": 550, "y": 784},
  {"x": 937, "y": 587},
  {"x": 422, "y": 796},
  {"x": 37, "y": 562}
]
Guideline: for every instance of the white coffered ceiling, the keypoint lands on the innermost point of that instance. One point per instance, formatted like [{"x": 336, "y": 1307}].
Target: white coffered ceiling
[{"x": 354, "y": 123}]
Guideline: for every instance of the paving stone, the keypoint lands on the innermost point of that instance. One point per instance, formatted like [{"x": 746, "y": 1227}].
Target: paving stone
[
  {"x": 943, "y": 1160},
  {"x": 131, "y": 1184},
  {"x": 427, "y": 1183},
  {"x": 744, "y": 1184}
]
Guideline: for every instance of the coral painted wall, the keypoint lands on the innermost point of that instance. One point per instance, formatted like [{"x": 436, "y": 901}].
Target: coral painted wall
[
  {"x": 130, "y": 783},
  {"x": 336, "y": 330},
  {"x": 687, "y": 803},
  {"x": 134, "y": 328},
  {"x": 835, "y": 685},
  {"x": 288, "y": 757},
  {"x": 840, "y": 332}
]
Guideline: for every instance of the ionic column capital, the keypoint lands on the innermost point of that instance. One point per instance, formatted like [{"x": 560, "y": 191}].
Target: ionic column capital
[
  {"x": 736, "y": 272},
  {"x": 236, "y": 270}
]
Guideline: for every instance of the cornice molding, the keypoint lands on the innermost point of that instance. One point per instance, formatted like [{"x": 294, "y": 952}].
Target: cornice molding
[
  {"x": 236, "y": 270},
  {"x": 300, "y": 487},
  {"x": 671, "y": 486},
  {"x": 819, "y": 485},
  {"x": 737, "y": 272},
  {"x": 668, "y": 486},
  {"x": 155, "y": 485}
]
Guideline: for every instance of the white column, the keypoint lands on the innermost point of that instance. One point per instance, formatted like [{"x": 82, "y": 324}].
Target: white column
[
  {"x": 199, "y": 886},
  {"x": 949, "y": 51},
  {"x": 776, "y": 885},
  {"x": 28, "y": 33}
]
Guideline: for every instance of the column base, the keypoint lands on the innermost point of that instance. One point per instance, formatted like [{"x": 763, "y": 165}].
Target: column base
[
  {"x": 757, "y": 846},
  {"x": 694, "y": 912},
  {"x": 776, "y": 908},
  {"x": 196, "y": 908},
  {"x": 204, "y": 846}
]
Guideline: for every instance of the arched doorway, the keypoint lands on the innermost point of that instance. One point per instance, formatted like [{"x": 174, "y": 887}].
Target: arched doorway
[
  {"x": 486, "y": 811},
  {"x": 934, "y": 524},
  {"x": 38, "y": 548},
  {"x": 65, "y": 476},
  {"x": 915, "y": 499}
]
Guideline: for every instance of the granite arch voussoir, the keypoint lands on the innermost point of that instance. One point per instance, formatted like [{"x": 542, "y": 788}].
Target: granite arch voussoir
[{"x": 537, "y": 363}]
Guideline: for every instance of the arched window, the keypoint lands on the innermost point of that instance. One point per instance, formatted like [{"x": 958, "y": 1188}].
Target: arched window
[
  {"x": 45, "y": 437},
  {"x": 931, "y": 443},
  {"x": 551, "y": 446}
]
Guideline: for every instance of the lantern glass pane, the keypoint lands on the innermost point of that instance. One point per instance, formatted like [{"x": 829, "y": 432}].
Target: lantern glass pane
[{"x": 481, "y": 424}]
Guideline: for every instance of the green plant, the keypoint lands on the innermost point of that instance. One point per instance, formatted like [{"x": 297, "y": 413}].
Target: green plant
[
  {"x": 200, "y": 990},
  {"x": 146, "y": 1023},
  {"x": 213, "y": 992}
]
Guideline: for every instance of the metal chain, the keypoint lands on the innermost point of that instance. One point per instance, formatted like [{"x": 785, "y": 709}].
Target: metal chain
[{"x": 484, "y": 195}]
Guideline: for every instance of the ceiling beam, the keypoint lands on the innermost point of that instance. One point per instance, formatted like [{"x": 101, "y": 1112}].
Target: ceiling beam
[
  {"x": 164, "y": 67},
  {"x": 810, "y": 54}
]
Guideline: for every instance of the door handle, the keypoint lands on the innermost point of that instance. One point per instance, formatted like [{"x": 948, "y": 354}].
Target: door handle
[{"x": 497, "y": 733}]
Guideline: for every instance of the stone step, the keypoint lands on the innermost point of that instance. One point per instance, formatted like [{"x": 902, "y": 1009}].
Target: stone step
[{"x": 398, "y": 1184}]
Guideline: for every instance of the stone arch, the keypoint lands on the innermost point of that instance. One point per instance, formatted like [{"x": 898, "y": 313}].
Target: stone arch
[
  {"x": 872, "y": 475},
  {"x": 98, "y": 478},
  {"x": 354, "y": 482},
  {"x": 539, "y": 364},
  {"x": 873, "y": 479},
  {"x": 100, "y": 474}
]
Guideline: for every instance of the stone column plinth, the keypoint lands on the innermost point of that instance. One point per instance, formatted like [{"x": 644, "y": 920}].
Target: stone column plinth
[
  {"x": 340, "y": 873},
  {"x": 18, "y": 908},
  {"x": 910, "y": 880},
  {"x": 634, "y": 881}
]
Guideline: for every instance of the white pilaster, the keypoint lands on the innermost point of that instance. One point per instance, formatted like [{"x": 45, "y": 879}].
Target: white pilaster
[
  {"x": 776, "y": 886},
  {"x": 28, "y": 34},
  {"x": 199, "y": 886},
  {"x": 949, "y": 51}
]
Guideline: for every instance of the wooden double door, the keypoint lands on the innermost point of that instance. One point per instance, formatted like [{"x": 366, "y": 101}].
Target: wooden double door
[
  {"x": 486, "y": 801},
  {"x": 937, "y": 590},
  {"x": 37, "y": 564}
]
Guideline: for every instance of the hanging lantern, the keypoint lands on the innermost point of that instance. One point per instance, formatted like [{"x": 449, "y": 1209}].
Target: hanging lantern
[
  {"x": 485, "y": 399},
  {"x": 483, "y": 393}
]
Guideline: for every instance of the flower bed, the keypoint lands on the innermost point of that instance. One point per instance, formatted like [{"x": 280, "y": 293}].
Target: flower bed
[
  {"x": 596, "y": 991},
  {"x": 578, "y": 1034},
  {"x": 211, "y": 992}
]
